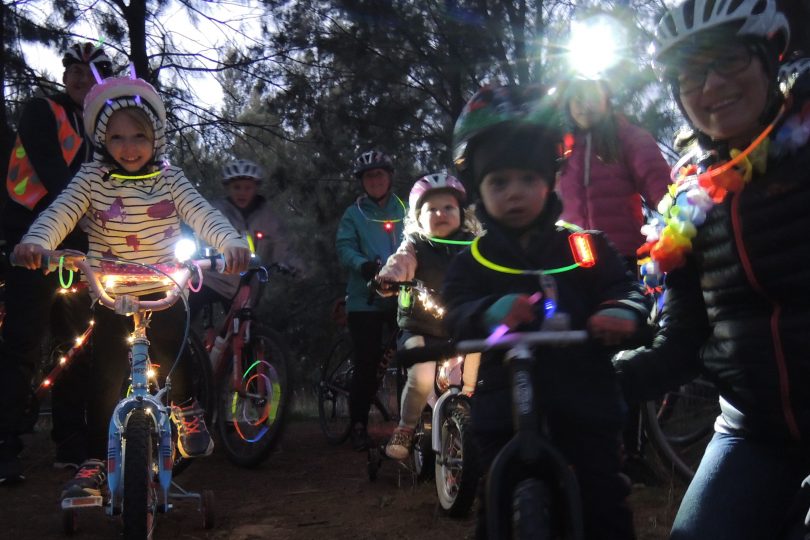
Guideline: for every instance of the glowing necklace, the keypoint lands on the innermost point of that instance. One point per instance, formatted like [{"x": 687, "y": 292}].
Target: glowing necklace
[
  {"x": 137, "y": 177},
  {"x": 451, "y": 242},
  {"x": 690, "y": 197},
  {"x": 580, "y": 247},
  {"x": 388, "y": 224}
]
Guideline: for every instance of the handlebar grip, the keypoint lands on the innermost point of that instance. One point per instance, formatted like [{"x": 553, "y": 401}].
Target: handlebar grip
[{"x": 44, "y": 262}]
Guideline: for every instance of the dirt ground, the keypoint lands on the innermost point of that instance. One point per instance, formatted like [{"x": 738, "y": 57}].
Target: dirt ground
[{"x": 307, "y": 489}]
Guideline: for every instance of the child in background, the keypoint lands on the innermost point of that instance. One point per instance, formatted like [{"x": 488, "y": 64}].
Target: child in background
[
  {"x": 506, "y": 144},
  {"x": 131, "y": 204},
  {"x": 436, "y": 229},
  {"x": 249, "y": 213}
]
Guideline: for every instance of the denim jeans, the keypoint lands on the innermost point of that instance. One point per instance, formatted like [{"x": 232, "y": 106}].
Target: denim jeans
[{"x": 743, "y": 490}]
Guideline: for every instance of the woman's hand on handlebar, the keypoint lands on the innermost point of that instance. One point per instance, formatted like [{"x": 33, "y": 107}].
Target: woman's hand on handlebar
[
  {"x": 28, "y": 256},
  {"x": 237, "y": 259}
]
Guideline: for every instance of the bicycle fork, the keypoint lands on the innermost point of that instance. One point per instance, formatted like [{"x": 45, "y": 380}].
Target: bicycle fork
[
  {"x": 529, "y": 453},
  {"x": 141, "y": 399}
]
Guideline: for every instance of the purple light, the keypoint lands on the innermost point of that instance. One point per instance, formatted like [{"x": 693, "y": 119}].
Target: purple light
[
  {"x": 497, "y": 334},
  {"x": 99, "y": 79}
]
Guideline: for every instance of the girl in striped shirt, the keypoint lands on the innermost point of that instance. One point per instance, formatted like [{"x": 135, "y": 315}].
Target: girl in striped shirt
[{"x": 131, "y": 203}]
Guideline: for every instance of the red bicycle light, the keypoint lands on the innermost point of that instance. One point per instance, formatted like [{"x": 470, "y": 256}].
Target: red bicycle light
[
  {"x": 582, "y": 249},
  {"x": 259, "y": 235},
  {"x": 388, "y": 226}
]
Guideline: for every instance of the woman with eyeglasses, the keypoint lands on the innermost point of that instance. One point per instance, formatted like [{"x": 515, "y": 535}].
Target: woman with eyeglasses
[{"x": 734, "y": 249}]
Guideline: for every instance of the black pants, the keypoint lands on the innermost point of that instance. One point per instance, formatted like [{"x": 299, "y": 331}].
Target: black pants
[
  {"x": 33, "y": 307},
  {"x": 367, "y": 330},
  {"x": 110, "y": 349}
]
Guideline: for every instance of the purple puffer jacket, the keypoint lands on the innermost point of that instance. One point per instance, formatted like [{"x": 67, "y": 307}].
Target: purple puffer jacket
[{"x": 608, "y": 198}]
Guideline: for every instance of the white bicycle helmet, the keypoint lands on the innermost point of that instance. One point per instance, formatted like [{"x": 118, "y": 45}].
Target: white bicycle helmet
[
  {"x": 756, "y": 18},
  {"x": 242, "y": 168},
  {"x": 372, "y": 159},
  {"x": 790, "y": 71},
  {"x": 431, "y": 183},
  {"x": 87, "y": 53}
]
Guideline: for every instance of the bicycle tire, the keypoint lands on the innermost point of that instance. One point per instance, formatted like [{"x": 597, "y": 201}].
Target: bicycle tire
[
  {"x": 424, "y": 460},
  {"x": 250, "y": 421},
  {"x": 531, "y": 510},
  {"x": 333, "y": 393},
  {"x": 202, "y": 388},
  {"x": 681, "y": 424},
  {"x": 139, "y": 497},
  {"x": 457, "y": 469}
]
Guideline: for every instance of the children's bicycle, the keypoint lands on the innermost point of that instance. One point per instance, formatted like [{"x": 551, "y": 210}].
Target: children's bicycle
[
  {"x": 251, "y": 376},
  {"x": 141, "y": 449},
  {"x": 529, "y": 471}
]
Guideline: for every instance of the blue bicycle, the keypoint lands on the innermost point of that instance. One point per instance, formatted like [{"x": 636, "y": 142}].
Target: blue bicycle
[{"x": 141, "y": 448}]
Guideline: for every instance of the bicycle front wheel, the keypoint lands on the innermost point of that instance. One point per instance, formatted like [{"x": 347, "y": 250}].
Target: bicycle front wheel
[
  {"x": 140, "y": 498},
  {"x": 457, "y": 465},
  {"x": 251, "y": 411},
  {"x": 680, "y": 426},
  {"x": 531, "y": 510},
  {"x": 333, "y": 393}
]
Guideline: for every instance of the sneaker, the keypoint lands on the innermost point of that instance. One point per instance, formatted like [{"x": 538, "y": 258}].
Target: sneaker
[
  {"x": 400, "y": 444},
  {"x": 88, "y": 481},
  {"x": 193, "y": 439},
  {"x": 11, "y": 471},
  {"x": 359, "y": 437}
]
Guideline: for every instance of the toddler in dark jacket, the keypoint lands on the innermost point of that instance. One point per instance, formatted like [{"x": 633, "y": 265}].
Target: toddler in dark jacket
[{"x": 506, "y": 146}]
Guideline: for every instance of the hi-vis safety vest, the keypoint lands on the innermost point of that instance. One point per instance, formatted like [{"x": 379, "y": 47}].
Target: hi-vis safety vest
[{"x": 22, "y": 183}]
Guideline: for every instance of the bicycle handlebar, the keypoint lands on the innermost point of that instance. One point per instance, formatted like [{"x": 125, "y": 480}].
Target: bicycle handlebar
[
  {"x": 409, "y": 357},
  {"x": 181, "y": 276}
]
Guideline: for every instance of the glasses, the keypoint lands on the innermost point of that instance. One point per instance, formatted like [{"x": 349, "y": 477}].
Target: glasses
[{"x": 692, "y": 77}]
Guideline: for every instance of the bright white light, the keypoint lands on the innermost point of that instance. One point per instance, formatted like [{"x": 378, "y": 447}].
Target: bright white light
[
  {"x": 594, "y": 46},
  {"x": 184, "y": 249}
]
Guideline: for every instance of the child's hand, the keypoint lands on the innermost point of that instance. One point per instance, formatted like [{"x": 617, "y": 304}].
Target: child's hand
[
  {"x": 511, "y": 310},
  {"x": 237, "y": 259},
  {"x": 28, "y": 256},
  {"x": 613, "y": 325}
]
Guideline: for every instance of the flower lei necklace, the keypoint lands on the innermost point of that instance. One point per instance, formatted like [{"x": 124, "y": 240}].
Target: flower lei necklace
[{"x": 692, "y": 194}]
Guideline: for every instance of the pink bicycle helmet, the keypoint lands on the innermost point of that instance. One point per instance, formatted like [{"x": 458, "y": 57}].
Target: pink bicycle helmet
[{"x": 432, "y": 183}]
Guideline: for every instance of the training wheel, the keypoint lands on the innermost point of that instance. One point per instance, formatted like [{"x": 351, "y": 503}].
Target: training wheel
[
  {"x": 208, "y": 509},
  {"x": 70, "y": 522}
]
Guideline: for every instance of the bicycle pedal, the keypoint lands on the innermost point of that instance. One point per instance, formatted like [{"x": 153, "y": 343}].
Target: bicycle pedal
[{"x": 88, "y": 501}]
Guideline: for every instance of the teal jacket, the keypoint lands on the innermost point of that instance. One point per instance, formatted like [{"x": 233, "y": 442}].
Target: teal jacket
[{"x": 362, "y": 237}]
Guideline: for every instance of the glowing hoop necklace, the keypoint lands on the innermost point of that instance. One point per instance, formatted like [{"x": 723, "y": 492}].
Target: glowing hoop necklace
[
  {"x": 136, "y": 177},
  {"x": 388, "y": 224},
  {"x": 580, "y": 246},
  {"x": 451, "y": 242}
]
